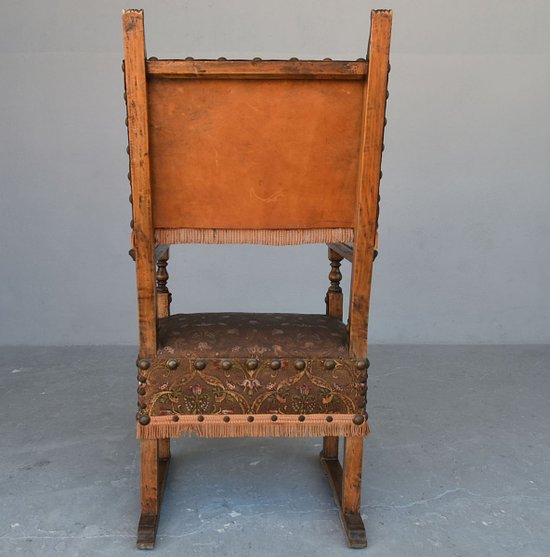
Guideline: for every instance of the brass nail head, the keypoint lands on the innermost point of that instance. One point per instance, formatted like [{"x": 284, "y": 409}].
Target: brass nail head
[
  {"x": 252, "y": 364},
  {"x": 358, "y": 419},
  {"x": 144, "y": 364},
  {"x": 361, "y": 364},
  {"x": 144, "y": 419},
  {"x": 172, "y": 364},
  {"x": 200, "y": 364},
  {"x": 275, "y": 364},
  {"x": 330, "y": 364},
  {"x": 299, "y": 365}
]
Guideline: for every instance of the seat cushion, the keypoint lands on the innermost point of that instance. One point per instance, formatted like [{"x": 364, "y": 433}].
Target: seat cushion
[{"x": 252, "y": 335}]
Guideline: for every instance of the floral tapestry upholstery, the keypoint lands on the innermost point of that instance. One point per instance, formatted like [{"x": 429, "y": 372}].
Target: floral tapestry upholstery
[
  {"x": 237, "y": 386},
  {"x": 224, "y": 373},
  {"x": 252, "y": 335}
]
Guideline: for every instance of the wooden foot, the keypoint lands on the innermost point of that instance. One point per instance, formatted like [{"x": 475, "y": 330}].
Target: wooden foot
[
  {"x": 147, "y": 531},
  {"x": 155, "y": 459},
  {"x": 354, "y": 529},
  {"x": 346, "y": 488}
]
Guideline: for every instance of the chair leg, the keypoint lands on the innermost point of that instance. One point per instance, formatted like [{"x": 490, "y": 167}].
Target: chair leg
[
  {"x": 154, "y": 469},
  {"x": 346, "y": 487},
  {"x": 164, "y": 449},
  {"x": 330, "y": 447},
  {"x": 351, "y": 492}
]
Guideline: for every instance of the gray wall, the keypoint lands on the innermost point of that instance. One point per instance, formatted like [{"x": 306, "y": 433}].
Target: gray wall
[{"x": 464, "y": 224}]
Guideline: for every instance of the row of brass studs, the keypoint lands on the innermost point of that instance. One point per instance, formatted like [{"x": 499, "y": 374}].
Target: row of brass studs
[
  {"x": 143, "y": 365},
  {"x": 256, "y": 59},
  {"x": 358, "y": 419},
  {"x": 251, "y": 364},
  {"x": 132, "y": 252},
  {"x": 375, "y": 254},
  {"x": 363, "y": 403},
  {"x": 172, "y": 364}
]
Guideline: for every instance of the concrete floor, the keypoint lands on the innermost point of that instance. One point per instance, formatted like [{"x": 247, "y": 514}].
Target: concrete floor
[{"x": 458, "y": 463}]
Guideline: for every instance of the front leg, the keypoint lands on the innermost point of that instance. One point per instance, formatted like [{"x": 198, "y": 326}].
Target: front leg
[
  {"x": 351, "y": 492},
  {"x": 154, "y": 470}
]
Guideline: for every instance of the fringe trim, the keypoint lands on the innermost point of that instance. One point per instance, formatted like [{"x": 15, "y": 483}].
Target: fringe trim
[
  {"x": 251, "y": 236},
  {"x": 314, "y": 425}
]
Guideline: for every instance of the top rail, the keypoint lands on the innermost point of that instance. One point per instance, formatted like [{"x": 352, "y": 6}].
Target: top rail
[{"x": 257, "y": 69}]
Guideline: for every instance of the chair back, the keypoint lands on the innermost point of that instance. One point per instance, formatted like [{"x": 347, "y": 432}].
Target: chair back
[
  {"x": 254, "y": 145},
  {"x": 254, "y": 151}
]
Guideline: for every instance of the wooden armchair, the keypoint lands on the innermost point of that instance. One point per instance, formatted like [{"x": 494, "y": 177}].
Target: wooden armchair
[{"x": 266, "y": 152}]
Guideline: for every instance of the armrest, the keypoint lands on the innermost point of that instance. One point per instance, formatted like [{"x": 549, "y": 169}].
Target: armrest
[
  {"x": 160, "y": 249},
  {"x": 346, "y": 250},
  {"x": 343, "y": 250}
]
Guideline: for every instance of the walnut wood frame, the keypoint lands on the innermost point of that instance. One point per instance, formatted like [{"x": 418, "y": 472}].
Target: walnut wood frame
[{"x": 153, "y": 295}]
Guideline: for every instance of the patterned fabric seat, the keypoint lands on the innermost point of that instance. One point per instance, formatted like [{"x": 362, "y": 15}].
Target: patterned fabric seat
[
  {"x": 250, "y": 363},
  {"x": 252, "y": 335}
]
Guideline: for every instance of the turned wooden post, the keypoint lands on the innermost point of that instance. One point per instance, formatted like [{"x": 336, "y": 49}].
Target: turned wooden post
[
  {"x": 334, "y": 298},
  {"x": 335, "y": 308},
  {"x": 163, "y": 310},
  {"x": 163, "y": 294}
]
